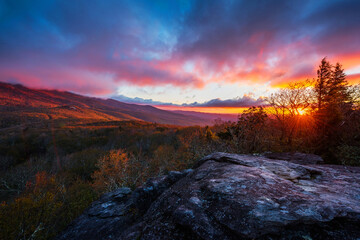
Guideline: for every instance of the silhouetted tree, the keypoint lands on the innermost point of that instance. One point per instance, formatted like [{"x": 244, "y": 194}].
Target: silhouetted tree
[
  {"x": 287, "y": 105},
  {"x": 333, "y": 103},
  {"x": 251, "y": 130},
  {"x": 324, "y": 75}
]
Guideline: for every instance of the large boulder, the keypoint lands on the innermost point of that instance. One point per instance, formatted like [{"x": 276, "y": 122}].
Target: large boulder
[{"x": 229, "y": 196}]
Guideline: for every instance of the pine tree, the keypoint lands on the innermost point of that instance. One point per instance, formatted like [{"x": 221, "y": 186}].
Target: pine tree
[
  {"x": 336, "y": 99},
  {"x": 333, "y": 101},
  {"x": 337, "y": 86},
  {"x": 324, "y": 74}
]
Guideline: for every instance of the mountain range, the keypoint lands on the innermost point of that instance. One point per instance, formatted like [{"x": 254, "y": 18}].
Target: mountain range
[{"x": 20, "y": 104}]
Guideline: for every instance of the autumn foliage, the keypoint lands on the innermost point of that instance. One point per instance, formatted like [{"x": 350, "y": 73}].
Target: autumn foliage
[{"x": 50, "y": 174}]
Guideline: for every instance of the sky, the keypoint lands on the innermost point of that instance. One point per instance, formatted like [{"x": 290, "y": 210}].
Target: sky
[{"x": 176, "y": 54}]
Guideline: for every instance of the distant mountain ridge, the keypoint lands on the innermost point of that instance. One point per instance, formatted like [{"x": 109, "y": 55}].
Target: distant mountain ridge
[
  {"x": 210, "y": 116},
  {"x": 16, "y": 100}
]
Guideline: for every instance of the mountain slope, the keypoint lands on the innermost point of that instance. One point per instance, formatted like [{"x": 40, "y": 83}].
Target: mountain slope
[{"x": 19, "y": 103}]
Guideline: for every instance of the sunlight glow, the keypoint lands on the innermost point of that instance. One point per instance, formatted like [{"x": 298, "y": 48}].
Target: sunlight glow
[
  {"x": 302, "y": 111},
  {"x": 220, "y": 110}
]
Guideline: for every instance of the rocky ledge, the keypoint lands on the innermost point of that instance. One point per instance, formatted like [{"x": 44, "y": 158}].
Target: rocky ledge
[{"x": 229, "y": 196}]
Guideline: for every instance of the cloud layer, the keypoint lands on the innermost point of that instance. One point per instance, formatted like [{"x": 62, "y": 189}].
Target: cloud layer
[
  {"x": 91, "y": 47},
  {"x": 239, "y": 102}
]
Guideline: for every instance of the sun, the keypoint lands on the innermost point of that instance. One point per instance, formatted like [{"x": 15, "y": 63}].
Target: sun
[{"x": 301, "y": 111}]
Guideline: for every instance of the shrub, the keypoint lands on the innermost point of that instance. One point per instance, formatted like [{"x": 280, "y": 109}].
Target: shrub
[
  {"x": 117, "y": 169},
  {"x": 349, "y": 155}
]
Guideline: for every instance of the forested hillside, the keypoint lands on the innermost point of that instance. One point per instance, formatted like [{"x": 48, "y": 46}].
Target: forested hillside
[
  {"x": 22, "y": 105},
  {"x": 50, "y": 172}
]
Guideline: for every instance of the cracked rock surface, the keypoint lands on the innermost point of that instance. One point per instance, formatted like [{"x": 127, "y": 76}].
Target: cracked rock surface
[{"x": 229, "y": 196}]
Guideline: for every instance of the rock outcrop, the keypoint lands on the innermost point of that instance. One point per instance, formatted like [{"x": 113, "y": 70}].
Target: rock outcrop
[
  {"x": 229, "y": 196},
  {"x": 295, "y": 157}
]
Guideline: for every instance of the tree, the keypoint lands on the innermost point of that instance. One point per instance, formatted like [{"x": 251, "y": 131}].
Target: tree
[
  {"x": 337, "y": 99},
  {"x": 324, "y": 75},
  {"x": 333, "y": 103},
  {"x": 118, "y": 169},
  {"x": 337, "y": 96},
  {"x": 250, "y": 130},
  {"x": 112, "y": 171},
  {"x": 209, "y": 135},
  {"x": 46, "y": 207},
  {"x": 287, "y": 105},
  {"x": 164, "y": 160},
  {"x": 354, "y": 93},
  {"x": 337, "y": 86}
]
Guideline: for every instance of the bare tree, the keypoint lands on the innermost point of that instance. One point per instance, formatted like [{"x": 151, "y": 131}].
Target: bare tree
[{"x": 288, "y": 104}]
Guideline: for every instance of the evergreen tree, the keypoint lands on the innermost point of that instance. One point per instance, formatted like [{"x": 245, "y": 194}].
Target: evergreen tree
[
  {"x": 324, "y": 75},
  {"x": 336, "y": 99},
  {"x": 333, "y": 101},
  {"x": 337, "y": 86}
]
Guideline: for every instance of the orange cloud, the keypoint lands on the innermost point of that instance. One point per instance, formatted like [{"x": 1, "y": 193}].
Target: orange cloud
[{"x": 221, "y": 110}]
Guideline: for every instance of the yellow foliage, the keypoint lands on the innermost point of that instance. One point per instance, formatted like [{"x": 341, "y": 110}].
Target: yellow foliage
[{"x": 112, "y": 171}]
